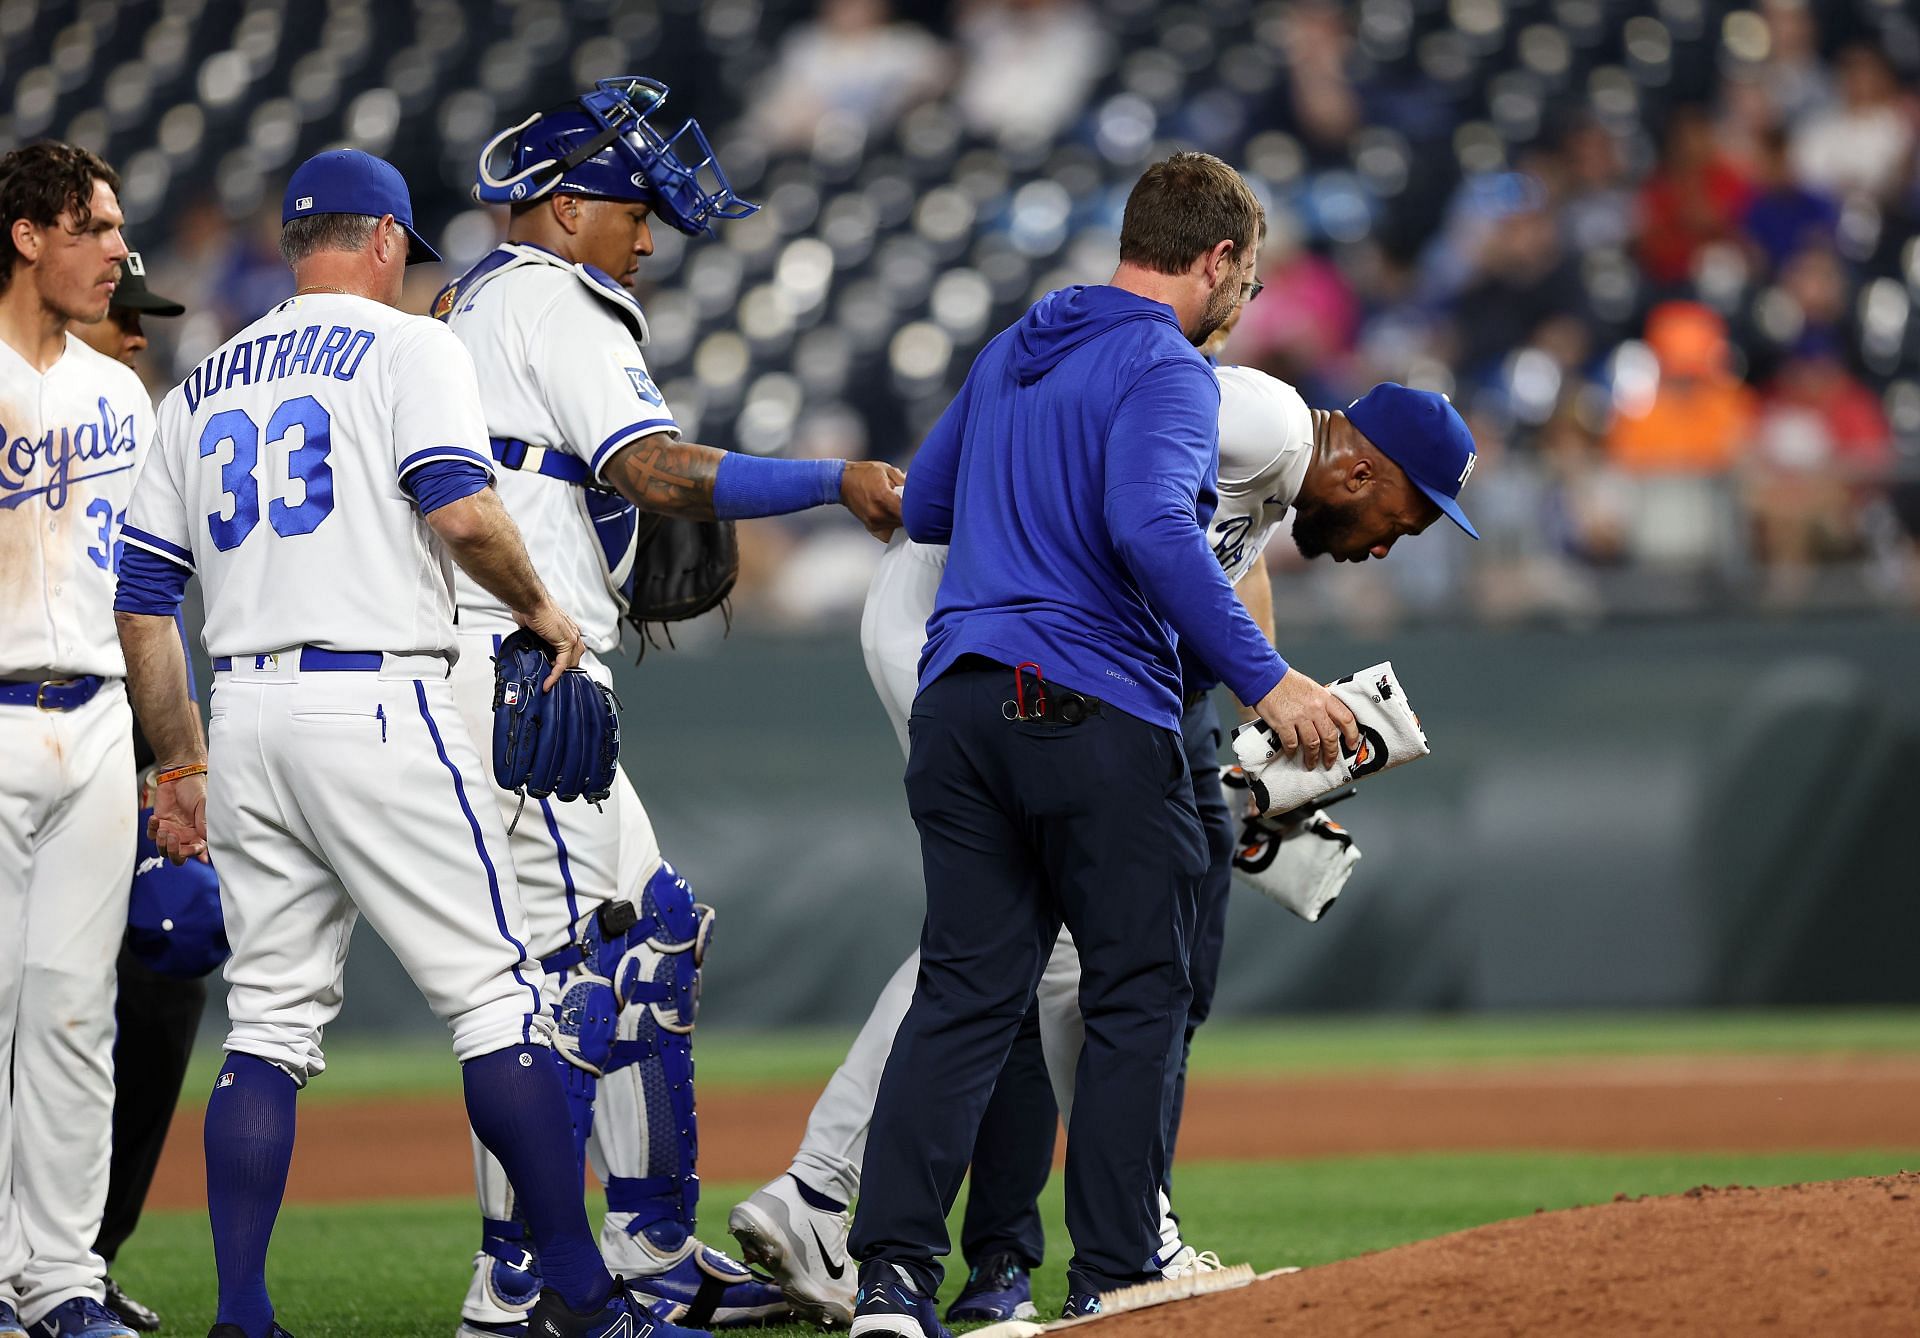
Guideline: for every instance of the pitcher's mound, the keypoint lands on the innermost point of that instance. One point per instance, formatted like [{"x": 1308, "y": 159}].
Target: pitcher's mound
[{"x": 1835, "y": 1259}]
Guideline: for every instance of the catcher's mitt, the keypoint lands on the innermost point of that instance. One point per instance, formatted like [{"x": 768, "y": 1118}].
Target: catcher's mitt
[
  {"x": 682, "y": 569},
  {"x": 565, "y": 742},
  {"x": 667, "y": 568}
]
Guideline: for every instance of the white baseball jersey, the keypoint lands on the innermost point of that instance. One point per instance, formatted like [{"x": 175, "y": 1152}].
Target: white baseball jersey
[
  {"x": 1266, "y": 444},
  {"x": 70, "y": 441},
  {"x": 557, "y": 346},
  {"x": 278, "y": 477}
]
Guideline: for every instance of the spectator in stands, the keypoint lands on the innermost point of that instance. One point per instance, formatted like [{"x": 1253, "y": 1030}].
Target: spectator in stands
[
  {"x": 1302, "y": 330},
  {"x": 1746, "y": 118},
  {"x": 1786, "y": 217},
  {"x": 1822, "y": 454},
  {"x": 1588, "y": 503},
  {"x": 1865, "y": 144},
  {"x": 1317, "y": 40},
  {"x": 1029, "y": 65},
  {"x": 1696, "y": 196},
  {"x": 1699, "y": 415},
  {"x": 1591, "y": 184},
  {"x": 1817, "y": 282},
  {"x": 1793, "y": 74},
  {"x": 852, "y": 60},
  {"x": 1525, "y": 291},
  {"x": 1856, "y": 442},
  {"x": 250, "y": 278}
]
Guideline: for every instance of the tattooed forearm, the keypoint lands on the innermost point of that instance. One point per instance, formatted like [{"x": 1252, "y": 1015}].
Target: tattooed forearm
[{"x": 672, "y": 477}]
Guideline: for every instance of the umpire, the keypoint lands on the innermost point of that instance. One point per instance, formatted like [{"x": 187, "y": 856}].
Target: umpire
[{"x": 1072, "y": 477}]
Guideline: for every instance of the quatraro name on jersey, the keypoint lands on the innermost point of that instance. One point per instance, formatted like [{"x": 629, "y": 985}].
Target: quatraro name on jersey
[{"x": 338, "y": 353}]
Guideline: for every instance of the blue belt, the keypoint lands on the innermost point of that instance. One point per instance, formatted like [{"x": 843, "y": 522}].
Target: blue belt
[
  {"x": 511, "y": 453},
  {"x": 312, "y": 657},
  {"x": 53, "y": 694}
]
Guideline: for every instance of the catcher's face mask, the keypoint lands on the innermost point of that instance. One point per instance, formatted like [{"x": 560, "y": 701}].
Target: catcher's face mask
[{"x": 603, "y": 145}]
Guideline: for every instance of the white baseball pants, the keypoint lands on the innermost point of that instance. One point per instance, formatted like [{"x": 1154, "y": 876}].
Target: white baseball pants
[
  {"x": 68, "y": 805},
  {"x": 336, "y": 794}
]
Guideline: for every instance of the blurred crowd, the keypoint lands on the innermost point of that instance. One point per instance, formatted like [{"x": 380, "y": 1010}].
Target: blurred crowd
[{"x": 1669, "y": 280}]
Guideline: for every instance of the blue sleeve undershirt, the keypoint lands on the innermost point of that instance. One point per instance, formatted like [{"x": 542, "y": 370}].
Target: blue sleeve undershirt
[
  {"x": 745, "y": 486},
  {"x": 443, "y": 482},
  {"x": 150, "y": 584}
]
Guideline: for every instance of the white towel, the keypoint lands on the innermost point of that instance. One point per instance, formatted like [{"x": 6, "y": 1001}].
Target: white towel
[
  {"x": 1303, "y": 865},
  {"x": 1390, "y": 736}
]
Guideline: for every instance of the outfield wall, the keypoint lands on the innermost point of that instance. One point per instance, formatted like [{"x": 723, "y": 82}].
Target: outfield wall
[{"x": 1663, "y": 814}]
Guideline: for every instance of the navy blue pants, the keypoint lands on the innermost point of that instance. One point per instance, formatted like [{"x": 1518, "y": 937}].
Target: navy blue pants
[
  {"x": 1013, "y": 1153},
  {"x": 1025, "y": 825},
  {"x": 1012, "y": 1158}
]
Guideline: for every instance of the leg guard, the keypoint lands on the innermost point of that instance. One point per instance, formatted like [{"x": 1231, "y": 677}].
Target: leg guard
[
  {"x": 586, "y": 1017},
  {"x": 645, "y": 1136},
  {"x": 652, "y": 1151}
]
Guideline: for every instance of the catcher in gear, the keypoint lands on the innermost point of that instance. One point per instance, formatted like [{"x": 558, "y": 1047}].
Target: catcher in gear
[{"x": 628, "y": 520}]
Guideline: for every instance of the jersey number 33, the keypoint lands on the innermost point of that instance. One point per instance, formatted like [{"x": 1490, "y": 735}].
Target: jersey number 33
[{"x": 306, "y": 464}]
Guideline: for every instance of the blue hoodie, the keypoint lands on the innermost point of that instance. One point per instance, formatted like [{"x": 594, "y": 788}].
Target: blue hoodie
[{"x": 1073, "y": 477}]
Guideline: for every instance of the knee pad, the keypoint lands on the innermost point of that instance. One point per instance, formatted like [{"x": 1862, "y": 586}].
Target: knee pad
[
  {"x": 586, "y": 1017},
  {"x": 660, "y": 967}
]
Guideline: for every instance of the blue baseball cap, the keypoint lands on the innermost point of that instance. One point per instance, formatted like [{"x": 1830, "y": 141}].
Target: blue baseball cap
[
  {"x": 174, "y": 923},
  {"x": 1423, "y": 433},
  {"x": 347, "y": 181}
]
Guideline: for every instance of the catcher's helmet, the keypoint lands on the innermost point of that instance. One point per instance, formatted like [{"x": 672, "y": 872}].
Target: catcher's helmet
[{"x": 601, "y": 144}]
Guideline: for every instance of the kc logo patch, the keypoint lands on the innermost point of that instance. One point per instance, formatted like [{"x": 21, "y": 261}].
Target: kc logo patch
[
  {"x": 643, "y": 385},
  {"x": 1466, "y": 470}
]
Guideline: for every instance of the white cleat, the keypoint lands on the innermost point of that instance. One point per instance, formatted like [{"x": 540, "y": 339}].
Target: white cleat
[
  {"x": 1188, "y": 1261},
  {"x": 803, "y": 1247}
]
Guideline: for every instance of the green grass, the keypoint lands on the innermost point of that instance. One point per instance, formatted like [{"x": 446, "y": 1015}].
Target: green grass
[
  {"x": 399, "y": 1270},
  {"x": 745, "y": 1059}
]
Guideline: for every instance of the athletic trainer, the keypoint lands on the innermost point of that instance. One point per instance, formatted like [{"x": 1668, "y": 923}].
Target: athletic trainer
[{"x": 1072, "y": 477}]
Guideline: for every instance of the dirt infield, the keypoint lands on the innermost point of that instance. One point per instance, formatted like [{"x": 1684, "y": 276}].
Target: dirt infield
[
  {"x": 393, "y": 1149},
  {"x": 1834, "y": 1259}
]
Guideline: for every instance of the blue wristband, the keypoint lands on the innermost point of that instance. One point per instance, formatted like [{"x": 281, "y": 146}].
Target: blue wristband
[{"x": 748, "y": 485}]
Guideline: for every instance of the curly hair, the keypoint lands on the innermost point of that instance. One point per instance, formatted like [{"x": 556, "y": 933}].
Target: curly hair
[
  {"x": 1184, "y": 205},
  {"x": 40, "y": 182}
]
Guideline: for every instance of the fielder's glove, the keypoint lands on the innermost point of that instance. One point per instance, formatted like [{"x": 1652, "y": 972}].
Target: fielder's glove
[{"x": 565, "y": 742}]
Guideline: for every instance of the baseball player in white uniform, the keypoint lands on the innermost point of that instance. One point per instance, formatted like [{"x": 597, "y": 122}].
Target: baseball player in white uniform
[
  {"x": 1276, "y": 456},
  {"x": 317, "y": 472},
  {"x": 74, "y": 428},
  {"x": 582, "y": 435}
]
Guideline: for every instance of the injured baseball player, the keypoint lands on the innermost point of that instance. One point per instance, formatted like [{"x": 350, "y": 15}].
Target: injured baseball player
[{"x": 1345, "y": 492}]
